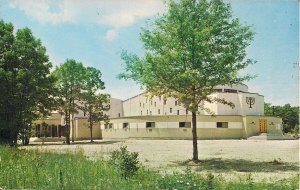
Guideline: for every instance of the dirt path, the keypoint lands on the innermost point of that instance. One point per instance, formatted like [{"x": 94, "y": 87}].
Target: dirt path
[{"x": 268, "y": 160}]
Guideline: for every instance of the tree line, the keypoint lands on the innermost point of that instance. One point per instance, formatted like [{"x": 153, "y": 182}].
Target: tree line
[
  {"x": 29, "y": 90},
  {"x": 289, "y": 115}
]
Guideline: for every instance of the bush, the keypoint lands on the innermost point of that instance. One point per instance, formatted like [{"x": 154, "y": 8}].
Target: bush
[{"x": 127, "y": 162}]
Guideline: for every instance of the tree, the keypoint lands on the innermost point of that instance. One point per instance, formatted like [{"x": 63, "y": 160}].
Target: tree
[
  {"x": 94, "y": 104},
  {"x": 288, "y": 113},
  {"x": 69, "y": 76},
  {"x": 25, "y": 81},
  {"x": 191, "y": 49}
]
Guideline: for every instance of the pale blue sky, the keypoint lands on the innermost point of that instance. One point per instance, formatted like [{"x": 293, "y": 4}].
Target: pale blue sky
[{"x": 95, "y": 32}]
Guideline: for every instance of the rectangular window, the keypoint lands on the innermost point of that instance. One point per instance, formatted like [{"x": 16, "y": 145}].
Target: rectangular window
[
  {"x": 147, "y": 112},
  {"x": 186, "y": 111},
  {"x": 146, "y": 100},
  {"x": 222, "y": 124},
  {"x": 151, "y": 103},
  {"x": 125, "y": 125},
  {"x": 176, "y": 102},
  {"x": 170, "y": 110},
  {"x": 165, "y": 102},
  {"x": 230, "y": 91},
  {"x": 155, "y": 104},
  {"x": 184, "y": 124},
  {"x": 158, "y": 111},
  {"x": 150, "y": 112},
  {"x": 108, "y": 125},
  {"x": 159, "y": 98},
  {"x": 141, "y": 112},
  {"x": 150, "y": 124},
  {"x": 119, "y": 114},
  {"x": 177, "y": 112},
  {"x": 140, "y": 104}
]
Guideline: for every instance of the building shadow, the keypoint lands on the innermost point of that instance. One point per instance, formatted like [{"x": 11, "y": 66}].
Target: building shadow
[{"x": 240, "y": 165}]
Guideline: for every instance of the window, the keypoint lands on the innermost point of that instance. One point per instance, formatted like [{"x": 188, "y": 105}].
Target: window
[
  {"x": 151, "y": 103},
  {"x": 155, "y": 104},
  {"x": 170, "y": 110},
  {"x": 159, "y": 98},
  {"x": 158, "y": 111},
  {"x": 150, "y": 124},
  {"x": 119, "y": 114},
  {"x": 125, "y": 125},
  {"x": 141, "y": 112},
  {"x": 217, "y": 90},
  {"x": 177, "y": 112},
  {"x": 186, "y": 111},
  {"x": 230, "y": 90},
  {"x": 108, "y": 126},
  {"x": 184, "y": 124},
  {"x": 143, "y": 105},
  {"x": 147, "y": 112},
  {"x": 222, "y": 124},
  {"x": 150, "y": 112},
  {"x": 146, "y": 100},
  {"x": 176, "y": 102},
  {"x": 140, "y": 104},
  {"x": 165, "y": 102},
  {"x": 84, "y": 113}
]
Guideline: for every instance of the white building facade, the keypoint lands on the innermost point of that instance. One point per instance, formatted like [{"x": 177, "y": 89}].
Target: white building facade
[{"x": 155, "y": 117}]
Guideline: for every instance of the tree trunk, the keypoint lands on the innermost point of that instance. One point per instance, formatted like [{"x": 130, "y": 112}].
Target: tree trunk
[
  {"x": 194, "y": 132},
  {"x": 73, "y": 135},
  {"x": 91, "y": 131},
  {"x": 67, "y": 128}
]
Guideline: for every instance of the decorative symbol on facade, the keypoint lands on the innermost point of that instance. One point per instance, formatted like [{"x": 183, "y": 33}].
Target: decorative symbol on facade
[{"x": 250, "y": 101}]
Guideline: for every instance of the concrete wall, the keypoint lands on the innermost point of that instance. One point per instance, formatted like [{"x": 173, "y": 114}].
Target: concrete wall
[
  {"x": 82, "y": 130},
  {"x": 167, "y": 127}
]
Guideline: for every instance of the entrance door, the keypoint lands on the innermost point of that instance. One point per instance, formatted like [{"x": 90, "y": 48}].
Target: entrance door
[{"x": 263, "y": 125}]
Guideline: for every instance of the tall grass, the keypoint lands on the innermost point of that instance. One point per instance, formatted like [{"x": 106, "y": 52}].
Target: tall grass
[{"x": 21, "y": 169}]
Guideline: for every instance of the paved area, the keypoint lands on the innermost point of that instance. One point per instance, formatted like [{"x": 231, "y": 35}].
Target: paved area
[{"x": 268, "y": 160}]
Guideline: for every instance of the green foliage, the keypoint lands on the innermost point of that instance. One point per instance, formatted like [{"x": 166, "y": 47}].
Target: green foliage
[
  {"x": 22, "y": 169},
  {"x": 78, "y": 89},
  {"x": 289, "y": 115},
  {"x": 127, "y": 162},
  {"x": 192, "y": 48},
  {"x": 25, "y": 81},
  {"x": 93, "y": 103}
]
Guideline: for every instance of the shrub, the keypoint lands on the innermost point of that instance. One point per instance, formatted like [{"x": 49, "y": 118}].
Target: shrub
[{"x": 127, "y": 162}]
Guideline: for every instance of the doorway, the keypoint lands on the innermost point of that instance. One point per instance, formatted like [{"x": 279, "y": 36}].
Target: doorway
[{"x": 263, "y": 125}]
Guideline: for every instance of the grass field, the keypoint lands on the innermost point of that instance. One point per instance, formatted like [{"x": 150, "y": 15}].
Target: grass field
[{"x": 32, "y": 169}]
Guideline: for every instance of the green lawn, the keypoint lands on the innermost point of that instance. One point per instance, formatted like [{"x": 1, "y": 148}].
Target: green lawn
[{"x": 22, "y": 169}]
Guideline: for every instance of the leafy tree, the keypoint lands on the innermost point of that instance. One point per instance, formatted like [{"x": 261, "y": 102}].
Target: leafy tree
[
  {"x": 288, "y": 113},
  {"x": 25, "y": 81},
  {"x": 93, "y": 103},
  {"x": 70, "y": 76},
  {"x": 191, "y": 49}
]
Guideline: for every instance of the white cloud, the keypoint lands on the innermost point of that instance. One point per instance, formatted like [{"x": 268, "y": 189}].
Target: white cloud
[
  {"x": 113, "y": 13},
  {"x": 111, "y": 35}
]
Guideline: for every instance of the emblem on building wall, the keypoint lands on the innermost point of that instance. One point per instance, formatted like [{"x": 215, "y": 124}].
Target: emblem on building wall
[{"x": 250, "y": 101}]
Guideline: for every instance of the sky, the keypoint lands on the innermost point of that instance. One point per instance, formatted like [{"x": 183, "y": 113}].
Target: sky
[{"x": 95, "y": 32}]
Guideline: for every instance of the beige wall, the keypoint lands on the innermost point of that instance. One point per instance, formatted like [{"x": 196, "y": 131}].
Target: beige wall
[
  {"x": 167, "y": 127},
  {"x": 82, "y": 131}
]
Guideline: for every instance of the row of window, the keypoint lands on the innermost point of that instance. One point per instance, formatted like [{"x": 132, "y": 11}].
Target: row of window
[
  {"x": 181, "y": 125},
  {"x": 158, "y": 112},
  {"x": 165, "y": 102}
]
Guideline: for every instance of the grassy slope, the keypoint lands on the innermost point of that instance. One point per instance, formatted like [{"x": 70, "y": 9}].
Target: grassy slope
[{"x": 20, "y": 169}]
